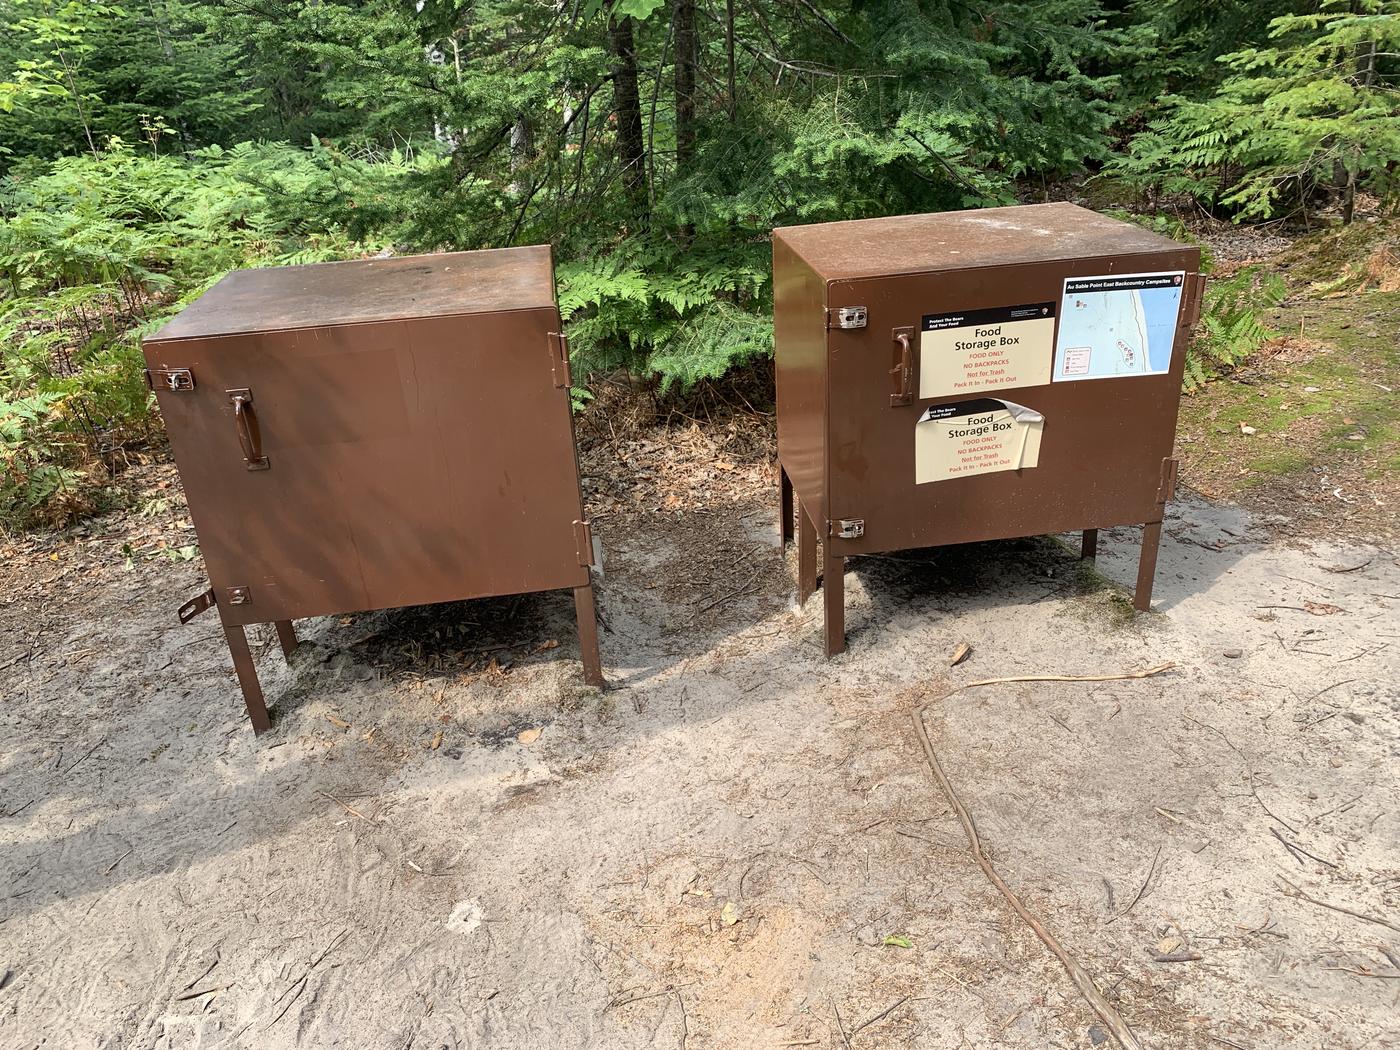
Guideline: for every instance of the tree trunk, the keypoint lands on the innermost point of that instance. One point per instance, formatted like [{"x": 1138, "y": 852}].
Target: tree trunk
[
  {"x": 1365, "y": 77},
  {"x": 627, "y": 108},
  {"x": 686, "y": 58},
  {"x": 729, "y": 55},
  {"x": 522, "y": 145}
]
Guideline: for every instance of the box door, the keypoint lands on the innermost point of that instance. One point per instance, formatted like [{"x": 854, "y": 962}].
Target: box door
[
  {"x": 378, "y": 465},
  {"x": 1098, "y": 449}
]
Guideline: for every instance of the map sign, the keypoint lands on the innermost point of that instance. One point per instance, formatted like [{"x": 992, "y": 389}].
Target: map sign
[{"x": 1117, "y": 325}]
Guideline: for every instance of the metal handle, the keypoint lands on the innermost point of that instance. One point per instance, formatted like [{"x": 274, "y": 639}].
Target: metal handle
[
  {"x": 246, "y": 423},
  {"x": 903, "y": 370}
]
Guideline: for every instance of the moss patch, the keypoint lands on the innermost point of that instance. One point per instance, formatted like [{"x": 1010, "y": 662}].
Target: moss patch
[{"x": 1324, "y": 408}]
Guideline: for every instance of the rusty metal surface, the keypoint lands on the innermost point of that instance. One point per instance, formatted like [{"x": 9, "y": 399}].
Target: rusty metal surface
[
  {"x": 955, "y": 240},
  {"x": 849, "y": 397},
  {"x": 362, "y": 290},
  {"x": 348, "y": 467}
]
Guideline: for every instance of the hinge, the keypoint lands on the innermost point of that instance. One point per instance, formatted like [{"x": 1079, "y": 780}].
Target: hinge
[
  {"x": 197, "y": 605},
  {"x": 1198, "y": 295},
  {"x": 1166, "y": 489},
  {"x": 845, "y": 317},
  {"x": 559, "y": 358},
  {"x": 583, "y": 543},
  {"x": 847, "y": 528},
  {"x": 169, "y": 379}
]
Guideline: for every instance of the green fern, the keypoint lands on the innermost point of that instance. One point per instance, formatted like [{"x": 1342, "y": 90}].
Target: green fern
[{"x": 1230, "y": 330}]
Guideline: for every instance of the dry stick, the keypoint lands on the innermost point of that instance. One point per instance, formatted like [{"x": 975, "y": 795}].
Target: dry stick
[
  {"x": 1151, "y": 870},
  {"x": 879, "y": 1017},
  {"x": 111, "y": 867},
  {"x": 840, "y": 1026},
  {"x": 1337, "y": 907},
  {"x": 347, "y": 807},
  {"x": 685, "y": 1022},
  {"x": 1082, "y": 981},
  {"x": 1290, "y": 847},
  {"x": 205, "y": 974},
  {"x": 1296, "y": 849}
]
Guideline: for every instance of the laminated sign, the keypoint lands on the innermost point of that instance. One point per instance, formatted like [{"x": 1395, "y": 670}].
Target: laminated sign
[
  {"x": 980, "y": 436},
  {"x": 1117, "y": 325},
  {"x": 973, "y": 350}
]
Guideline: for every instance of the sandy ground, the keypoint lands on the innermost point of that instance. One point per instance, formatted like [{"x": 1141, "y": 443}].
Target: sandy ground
[{"x": 739, "y": 844}]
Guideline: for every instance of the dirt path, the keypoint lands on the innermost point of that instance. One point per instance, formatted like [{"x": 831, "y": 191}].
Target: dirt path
[{"x": 739, "y": 844}]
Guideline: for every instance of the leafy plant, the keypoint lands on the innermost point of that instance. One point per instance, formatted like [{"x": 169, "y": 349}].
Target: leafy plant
[
  {"x": 1230, "y": 330},
  {"x": 96, "y": 252},
  {"x": 1314, "y": 113}
]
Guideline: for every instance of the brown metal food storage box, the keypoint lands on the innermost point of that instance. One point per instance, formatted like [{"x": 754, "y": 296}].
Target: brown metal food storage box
[
  {"x": 975, "y": 375},
  {"x": 373, "y": 434}
]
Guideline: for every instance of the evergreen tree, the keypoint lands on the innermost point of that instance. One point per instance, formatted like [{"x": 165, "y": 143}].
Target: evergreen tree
[{"x": 1312, "y": 115}]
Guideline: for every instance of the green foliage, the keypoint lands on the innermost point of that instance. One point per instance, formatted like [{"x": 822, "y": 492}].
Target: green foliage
[
  {"x": 1230, "y": 330},
  {"x": 1316, "y": 111},
  {"x": 147, "y": 149},
  {"x": 682, "y": 315},
  {"x": 96, "y": 252}
]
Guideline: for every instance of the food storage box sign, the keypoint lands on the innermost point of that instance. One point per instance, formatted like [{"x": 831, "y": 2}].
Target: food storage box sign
[
  {"x": 995, "y": 349},
  {"x": 980, "y": 436}
]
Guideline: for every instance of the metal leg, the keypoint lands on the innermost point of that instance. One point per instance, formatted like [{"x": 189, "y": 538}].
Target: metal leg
[
  {"x": 1090, "y": 548},
  {"x": 785, "y": 522},
  {"x": 834, "y": 603},
  {"x": 588, "y": 635},
  {"x": 247, "y": 678},
  {"x": 1147, "y": 566},
  {"x": 806, "y": 555},
  {"x": 287, "y": 636}
]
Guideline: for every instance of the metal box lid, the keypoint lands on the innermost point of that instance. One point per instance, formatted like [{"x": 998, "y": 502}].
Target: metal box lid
[
  {"x": 282, "y": 297},
  {"x": 958, "y": 240}
]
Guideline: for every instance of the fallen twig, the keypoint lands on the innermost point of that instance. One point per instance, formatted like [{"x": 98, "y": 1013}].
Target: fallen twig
[
  {"x": 1151, "y": 870},
  {"x": 112, "y": 867},
  {"x": 646, "y": 995},
  {"x": 1288, "y": 846},
  {"x": 300, "y": 983},
  {"x": 86, "y": 755},
  {"x": 1249, "y": 772},
  {"x": 1296, "y": 849},
  {"x": 1363, "y": 973},
  {"x": 185, "y": 996},
  {"x": 205, "y": 974},
  {"x": 347, "y": 807},
  {"x": 1082, "y": 981},
  {"x": 741, "y": 592},
  {"x": 1175, "y": 957},
  {"x": 1348, "y": 568},
  {"x": 1302, "y": 895},
  {"x": 840, "y": 1027},
  {"x": 880, "y": 1016}
]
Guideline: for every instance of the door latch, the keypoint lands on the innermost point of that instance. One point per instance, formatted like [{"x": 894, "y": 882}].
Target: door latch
[
  {"x": 197, "y": 605},
  {"x": 845, "y": 317},
  {"x": 849, "y": 528},
  {"x": 169, "y": 379}
]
